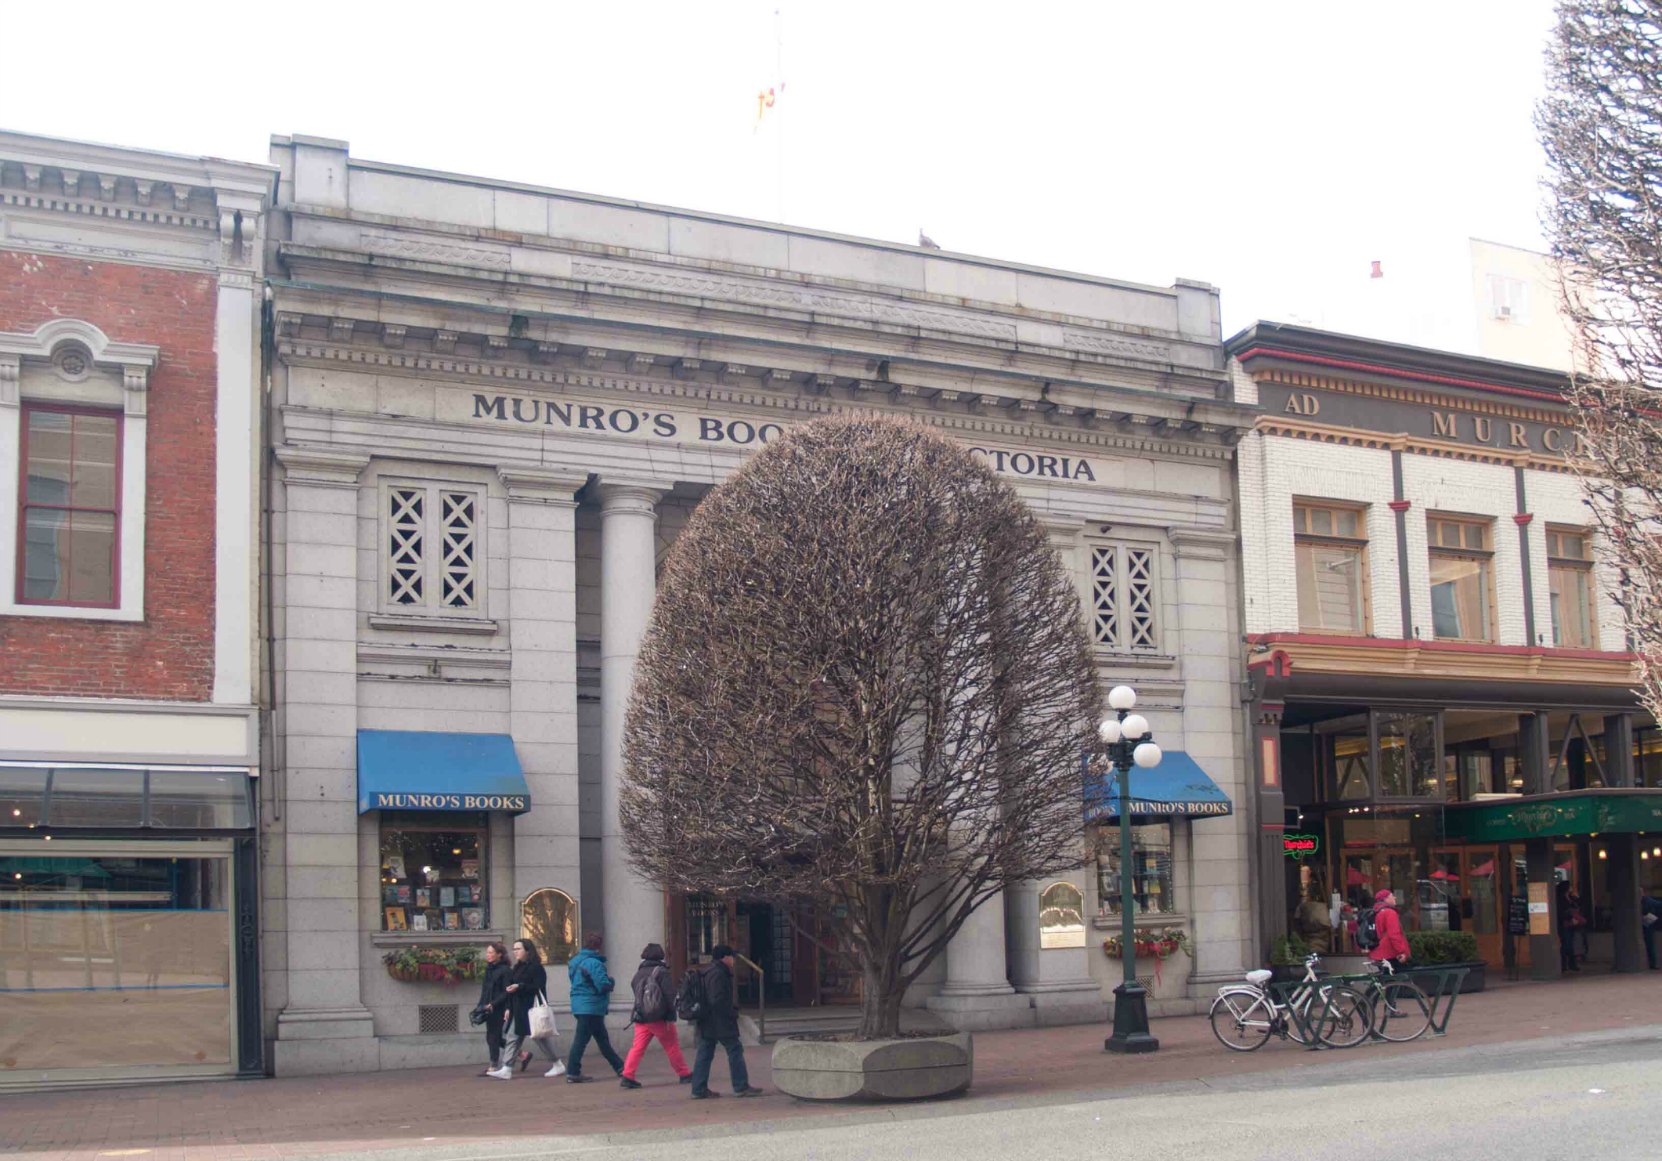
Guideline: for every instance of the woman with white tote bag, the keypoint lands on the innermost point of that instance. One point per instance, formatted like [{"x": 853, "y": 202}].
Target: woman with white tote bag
[{"x": 531, "y": 1016}]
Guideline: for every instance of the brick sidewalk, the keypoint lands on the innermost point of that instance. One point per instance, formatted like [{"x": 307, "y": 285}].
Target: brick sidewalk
[{"x": 235, "y": 1120}]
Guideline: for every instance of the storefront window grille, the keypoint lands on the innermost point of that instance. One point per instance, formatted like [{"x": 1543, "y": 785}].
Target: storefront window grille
[
  {"x": 433, "y": 873},
  {"x": 1408, "y": 755},
  {"x": 1152, "y": 887},
  {"x": 1462, "y": 567},
  {"x": 1330, "y": 551}
]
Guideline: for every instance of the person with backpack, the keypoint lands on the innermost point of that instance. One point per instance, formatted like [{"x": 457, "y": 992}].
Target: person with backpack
[
  {"x": 591, "y": 991},
  {"x": 717, "y": 1017},
  {"x": 1379, "y": 930},
  {"x": 653, "y": 1017}
]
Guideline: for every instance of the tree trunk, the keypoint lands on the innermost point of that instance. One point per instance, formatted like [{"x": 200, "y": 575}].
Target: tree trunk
[{"x": 880, "y": 1004}]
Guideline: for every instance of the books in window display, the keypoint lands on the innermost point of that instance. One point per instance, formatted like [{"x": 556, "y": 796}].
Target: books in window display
[
  {"x": 473, "y": 918},
  {"x": 447, "y": 896},
  {"x": 452, "y": 920}
]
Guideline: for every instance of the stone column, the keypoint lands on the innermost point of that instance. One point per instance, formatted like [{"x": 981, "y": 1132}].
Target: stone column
[
  {"x": 1206, "y": 637},
  {"x": 628, "y": 580},
  {"x": 1622, "y": 881},
  {"x": 1544, "y": 961},
  {"x": 1057, "y": 980},
  {"x": 977, "y": 995},
  {"x": 315, "y": 926},
  {"x": 542, "y": 699}
]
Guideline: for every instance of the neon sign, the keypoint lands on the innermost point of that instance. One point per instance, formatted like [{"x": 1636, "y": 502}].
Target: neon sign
[{"x": 1298, "y": 846}]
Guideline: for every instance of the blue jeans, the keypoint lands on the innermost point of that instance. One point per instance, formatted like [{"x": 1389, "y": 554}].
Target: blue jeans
[
  {"x": 706, "y": 1056},
  {"x": 591, "y": 1027}
]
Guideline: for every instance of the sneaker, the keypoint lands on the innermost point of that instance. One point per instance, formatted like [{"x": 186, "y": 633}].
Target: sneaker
[
  {"x": 625, "y": 1082},
  {"x": 707, "y": 1095},
  {"x": 748, "y": 1092},
  {"x": 577, "y": 1078},
  {"x": 687, "y": 1079},
  {"x": 559, "y": 1069},
  {"x": 503, "y": 1073}
]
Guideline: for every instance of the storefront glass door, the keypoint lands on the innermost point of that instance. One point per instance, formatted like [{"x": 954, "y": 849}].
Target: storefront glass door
[
  {"x": 115, "y": 958},
  {"x": 1470, "y": 879}
]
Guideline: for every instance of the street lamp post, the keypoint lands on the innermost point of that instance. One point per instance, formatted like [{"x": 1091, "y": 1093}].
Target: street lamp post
[{"x": 1127, "y": 742}]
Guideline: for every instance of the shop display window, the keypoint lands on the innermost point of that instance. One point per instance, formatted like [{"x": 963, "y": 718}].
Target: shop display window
[
  {"x": 1152, "y": 888},
  {"x": 433, "y": 872},
  {"x": 1408, "y": 755}
]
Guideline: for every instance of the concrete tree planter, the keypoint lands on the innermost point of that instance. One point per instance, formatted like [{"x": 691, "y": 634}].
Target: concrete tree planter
[{"x": 910, "y": 1068}]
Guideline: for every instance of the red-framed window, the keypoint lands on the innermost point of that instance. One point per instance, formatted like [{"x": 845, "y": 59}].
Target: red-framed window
[{"x": 69, "y": 507}]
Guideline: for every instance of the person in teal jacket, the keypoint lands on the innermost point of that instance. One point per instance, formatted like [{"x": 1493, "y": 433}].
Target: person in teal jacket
[{"x": 591, "y": 995}]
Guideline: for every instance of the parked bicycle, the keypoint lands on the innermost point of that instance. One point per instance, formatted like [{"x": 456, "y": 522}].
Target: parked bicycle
[
  {"x": 1244, "y": 1016},
  {"x": 1398, "y": 1010}
]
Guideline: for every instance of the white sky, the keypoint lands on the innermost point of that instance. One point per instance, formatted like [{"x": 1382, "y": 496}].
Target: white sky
[{"x": 1272, "y": 149}]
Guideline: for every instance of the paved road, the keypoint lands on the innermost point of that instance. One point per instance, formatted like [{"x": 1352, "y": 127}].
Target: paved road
[{"x": 1593, "y": 1096}]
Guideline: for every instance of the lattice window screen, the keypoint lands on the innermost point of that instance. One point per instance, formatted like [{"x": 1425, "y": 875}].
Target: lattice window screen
[
  {"x": 458, "y": 571},
  {"x": 1105, "y": 594},
  {"x": 406, "y": 546},
  {"x": 1123, "y": 598}
]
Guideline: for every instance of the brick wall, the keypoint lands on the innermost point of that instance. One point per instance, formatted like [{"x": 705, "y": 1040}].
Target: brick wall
[{"x": 170, "y": 653}]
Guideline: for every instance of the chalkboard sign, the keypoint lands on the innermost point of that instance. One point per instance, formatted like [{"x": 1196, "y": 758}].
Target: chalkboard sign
[{"x": 1517, "y": 915}]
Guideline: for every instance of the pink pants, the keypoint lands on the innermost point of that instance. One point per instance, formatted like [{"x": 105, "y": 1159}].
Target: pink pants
[{"x": 664, "y": 1032}]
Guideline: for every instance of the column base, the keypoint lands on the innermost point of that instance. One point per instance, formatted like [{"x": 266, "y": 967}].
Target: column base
[
  {"x": 1066, "y": 1002},
  {"x": 320, "y": 1041},
  {"x": 1131, "y": 1036},
  {"x": 983, "y": 1011}
]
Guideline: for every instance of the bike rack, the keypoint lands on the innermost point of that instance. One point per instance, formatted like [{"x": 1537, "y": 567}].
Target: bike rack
[
  {"x": 1441, "y": 997},
  {"x": 1283, "y": 994}
]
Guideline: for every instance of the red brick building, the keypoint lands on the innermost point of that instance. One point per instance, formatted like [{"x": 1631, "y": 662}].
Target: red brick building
[{"x": 130, "y": 435}]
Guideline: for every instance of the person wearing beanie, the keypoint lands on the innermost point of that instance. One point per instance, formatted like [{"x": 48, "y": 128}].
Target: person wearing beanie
[
  {"x": 653, "y": 1016},
  {"x": 719, "y": 1024},
  {"x": 1392, "y": 943}
]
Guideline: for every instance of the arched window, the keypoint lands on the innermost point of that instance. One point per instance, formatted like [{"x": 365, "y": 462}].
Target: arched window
[{"x": 549, "y": 918}]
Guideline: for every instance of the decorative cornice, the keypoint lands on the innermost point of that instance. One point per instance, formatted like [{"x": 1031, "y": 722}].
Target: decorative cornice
[
  {"x": 1202, "y": 543},
  {"x": 1403, "y": 442},
  {"x": 1112, "y": 429},
  {"x": 540, "y": 485},
  {"x": 320, "y": 466}
]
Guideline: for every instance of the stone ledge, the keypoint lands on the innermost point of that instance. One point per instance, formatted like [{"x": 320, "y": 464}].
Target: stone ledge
[{"x": 910, "y": 1069}]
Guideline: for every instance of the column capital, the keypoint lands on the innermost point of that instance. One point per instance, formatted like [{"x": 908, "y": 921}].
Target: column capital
[
  {"x": 1202, "y": 543},
  {"x": 535, "y": 485},
  {"x": 321, "y": 467},
  {"x": 620, "y": 494}
]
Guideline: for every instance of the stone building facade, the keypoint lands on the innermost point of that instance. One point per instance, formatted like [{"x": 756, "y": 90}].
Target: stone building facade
[
  {"x": 498, "y": 404},
  {"x": 129, "y": 582}
]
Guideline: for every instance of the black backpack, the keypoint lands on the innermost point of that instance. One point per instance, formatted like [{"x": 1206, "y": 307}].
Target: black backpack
[
  {"x": 1367, "y": 930},
  {"x": 690, "y": 1002},
  {"x": 654, "y": 1006}
]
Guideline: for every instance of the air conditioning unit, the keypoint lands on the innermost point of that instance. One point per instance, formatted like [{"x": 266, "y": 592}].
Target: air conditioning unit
[{"x": 1503, "y": 310}]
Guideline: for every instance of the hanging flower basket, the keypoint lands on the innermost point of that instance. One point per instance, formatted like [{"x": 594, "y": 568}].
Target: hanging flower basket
[
  {"x": 434, "y": 965},
  {"x": 1152, "y": 943}
]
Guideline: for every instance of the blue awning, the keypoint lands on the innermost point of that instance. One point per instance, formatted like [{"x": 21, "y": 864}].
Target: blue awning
[
  {"x": 416, "y": 770},
  {"x": 1177, "y": 786}
]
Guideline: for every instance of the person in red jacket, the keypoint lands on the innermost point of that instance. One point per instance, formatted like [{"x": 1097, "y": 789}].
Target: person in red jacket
[{"x": 1392, "y": 943}]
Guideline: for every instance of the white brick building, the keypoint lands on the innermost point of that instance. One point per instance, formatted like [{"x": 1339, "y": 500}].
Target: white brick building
[{"x": 1433, "y": 648}]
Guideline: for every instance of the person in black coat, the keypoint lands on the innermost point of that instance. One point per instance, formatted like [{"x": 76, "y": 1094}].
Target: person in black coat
[
  {"x": 493, "y": 998},
  {"x": 526, "y": 983},
  {"x": 719, "y": 1024}
]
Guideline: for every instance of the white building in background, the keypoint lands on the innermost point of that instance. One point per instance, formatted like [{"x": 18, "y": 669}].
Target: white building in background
[{"x": 498, "y": 404}]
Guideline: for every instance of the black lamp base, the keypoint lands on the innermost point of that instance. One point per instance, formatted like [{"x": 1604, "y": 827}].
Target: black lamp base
[{"x": 1131, "y": 1034}]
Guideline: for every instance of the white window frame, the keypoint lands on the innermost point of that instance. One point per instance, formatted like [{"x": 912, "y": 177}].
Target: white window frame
[
  {"x": 118, "y": 379},
  {"x": 431, "y": 604},
  {"x": 1121, "y": 551}
]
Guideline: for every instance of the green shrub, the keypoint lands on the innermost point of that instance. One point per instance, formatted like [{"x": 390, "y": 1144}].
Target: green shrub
[
  {"x": 1288, "y": 951},
  {"x": 1442, "y": 946}
]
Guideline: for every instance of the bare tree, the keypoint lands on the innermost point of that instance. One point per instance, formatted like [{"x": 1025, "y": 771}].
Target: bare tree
[
  {"x": 865, "y": 690},
  {"x": 1601, "y": 125}
]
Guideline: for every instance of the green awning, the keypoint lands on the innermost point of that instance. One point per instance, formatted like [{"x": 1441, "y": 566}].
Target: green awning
[{"x": 1574, "y": 812}]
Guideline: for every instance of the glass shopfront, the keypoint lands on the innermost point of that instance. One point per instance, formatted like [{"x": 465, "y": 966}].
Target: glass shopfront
[{"x": 116, "y": 956}]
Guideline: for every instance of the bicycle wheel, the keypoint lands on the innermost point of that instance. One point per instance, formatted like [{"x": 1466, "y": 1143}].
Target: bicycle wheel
[
  {"x": 1240, "y": 1020},
  {"x": 1401, "y": 1012},
  {"x": 1342, "y": 1017}
]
